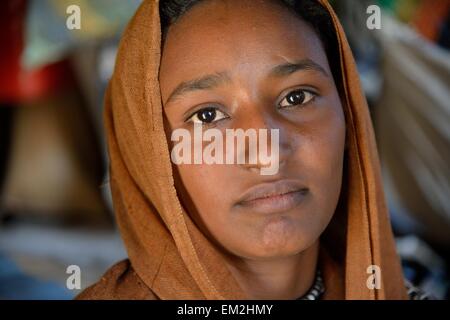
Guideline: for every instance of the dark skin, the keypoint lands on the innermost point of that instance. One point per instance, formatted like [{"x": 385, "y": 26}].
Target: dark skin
[{"x": 273, "y": 255}]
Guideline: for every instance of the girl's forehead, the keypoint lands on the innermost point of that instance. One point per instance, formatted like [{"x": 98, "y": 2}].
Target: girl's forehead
[
  {"x": 222, "y": 20},
  {"x": 214, "y": 37}
]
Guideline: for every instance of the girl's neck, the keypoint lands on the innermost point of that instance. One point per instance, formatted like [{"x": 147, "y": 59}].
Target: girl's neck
[{"x": 279, "y": 278}]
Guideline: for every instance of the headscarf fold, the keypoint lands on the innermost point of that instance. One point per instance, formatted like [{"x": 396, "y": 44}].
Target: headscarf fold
[{"x": 169, "y": 257}]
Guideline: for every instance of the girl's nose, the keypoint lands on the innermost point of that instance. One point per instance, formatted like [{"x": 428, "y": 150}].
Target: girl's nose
[{"x": 272, "y": 141}]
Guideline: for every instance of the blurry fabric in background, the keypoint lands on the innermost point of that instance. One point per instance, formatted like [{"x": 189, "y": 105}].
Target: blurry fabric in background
[
  {"x": 47, "y": 41},
  {"x": 405, "y": 71},
  {"x": 55, "y": 207},
  {"x": 412, "y": 120},
  {"x": 413, "y": 117}
]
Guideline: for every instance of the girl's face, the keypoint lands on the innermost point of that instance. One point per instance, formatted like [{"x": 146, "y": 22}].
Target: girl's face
[{"x": 262, "y": 68}]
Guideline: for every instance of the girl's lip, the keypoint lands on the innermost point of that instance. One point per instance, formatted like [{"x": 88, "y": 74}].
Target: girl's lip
[{"x": 279, "y": 196}]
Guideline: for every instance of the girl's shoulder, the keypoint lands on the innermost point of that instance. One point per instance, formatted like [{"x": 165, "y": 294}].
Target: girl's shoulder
[{"x": 119, "y": 282}]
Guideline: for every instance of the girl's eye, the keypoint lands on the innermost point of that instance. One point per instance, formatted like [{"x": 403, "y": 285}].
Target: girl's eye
[
  {"x": 207, "y": 115},
  {"x": 296, "y": 97}
]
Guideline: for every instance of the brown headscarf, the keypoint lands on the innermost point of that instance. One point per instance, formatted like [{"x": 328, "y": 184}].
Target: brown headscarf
[{"x": 169, "y": 257}]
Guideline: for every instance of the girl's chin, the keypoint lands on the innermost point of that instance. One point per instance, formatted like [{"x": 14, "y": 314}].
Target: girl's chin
[{"x": 274, "y": 252}]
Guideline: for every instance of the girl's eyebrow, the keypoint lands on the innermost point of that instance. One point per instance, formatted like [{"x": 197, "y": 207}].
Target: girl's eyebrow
[
  {"x": 214, "y": 80},
  {"x": 289, "y": 68},
  {"x": 206, "y": 82}
]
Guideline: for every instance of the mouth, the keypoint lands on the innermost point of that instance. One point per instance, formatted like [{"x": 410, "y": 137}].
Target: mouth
[{"x": 274, "y": 197}]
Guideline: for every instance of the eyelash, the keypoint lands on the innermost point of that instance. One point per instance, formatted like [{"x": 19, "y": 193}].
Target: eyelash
[
  {"x": 312, "y": 94},
  {"x": 305, "y": 92},
  {"x": 212, "y": 108}
]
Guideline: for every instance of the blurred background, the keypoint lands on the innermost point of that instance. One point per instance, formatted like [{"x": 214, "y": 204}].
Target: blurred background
[{"x": 55, "y": 203}]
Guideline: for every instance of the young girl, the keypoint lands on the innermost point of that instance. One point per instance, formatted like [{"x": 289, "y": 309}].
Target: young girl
[{"x": 318, "y": 228}]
